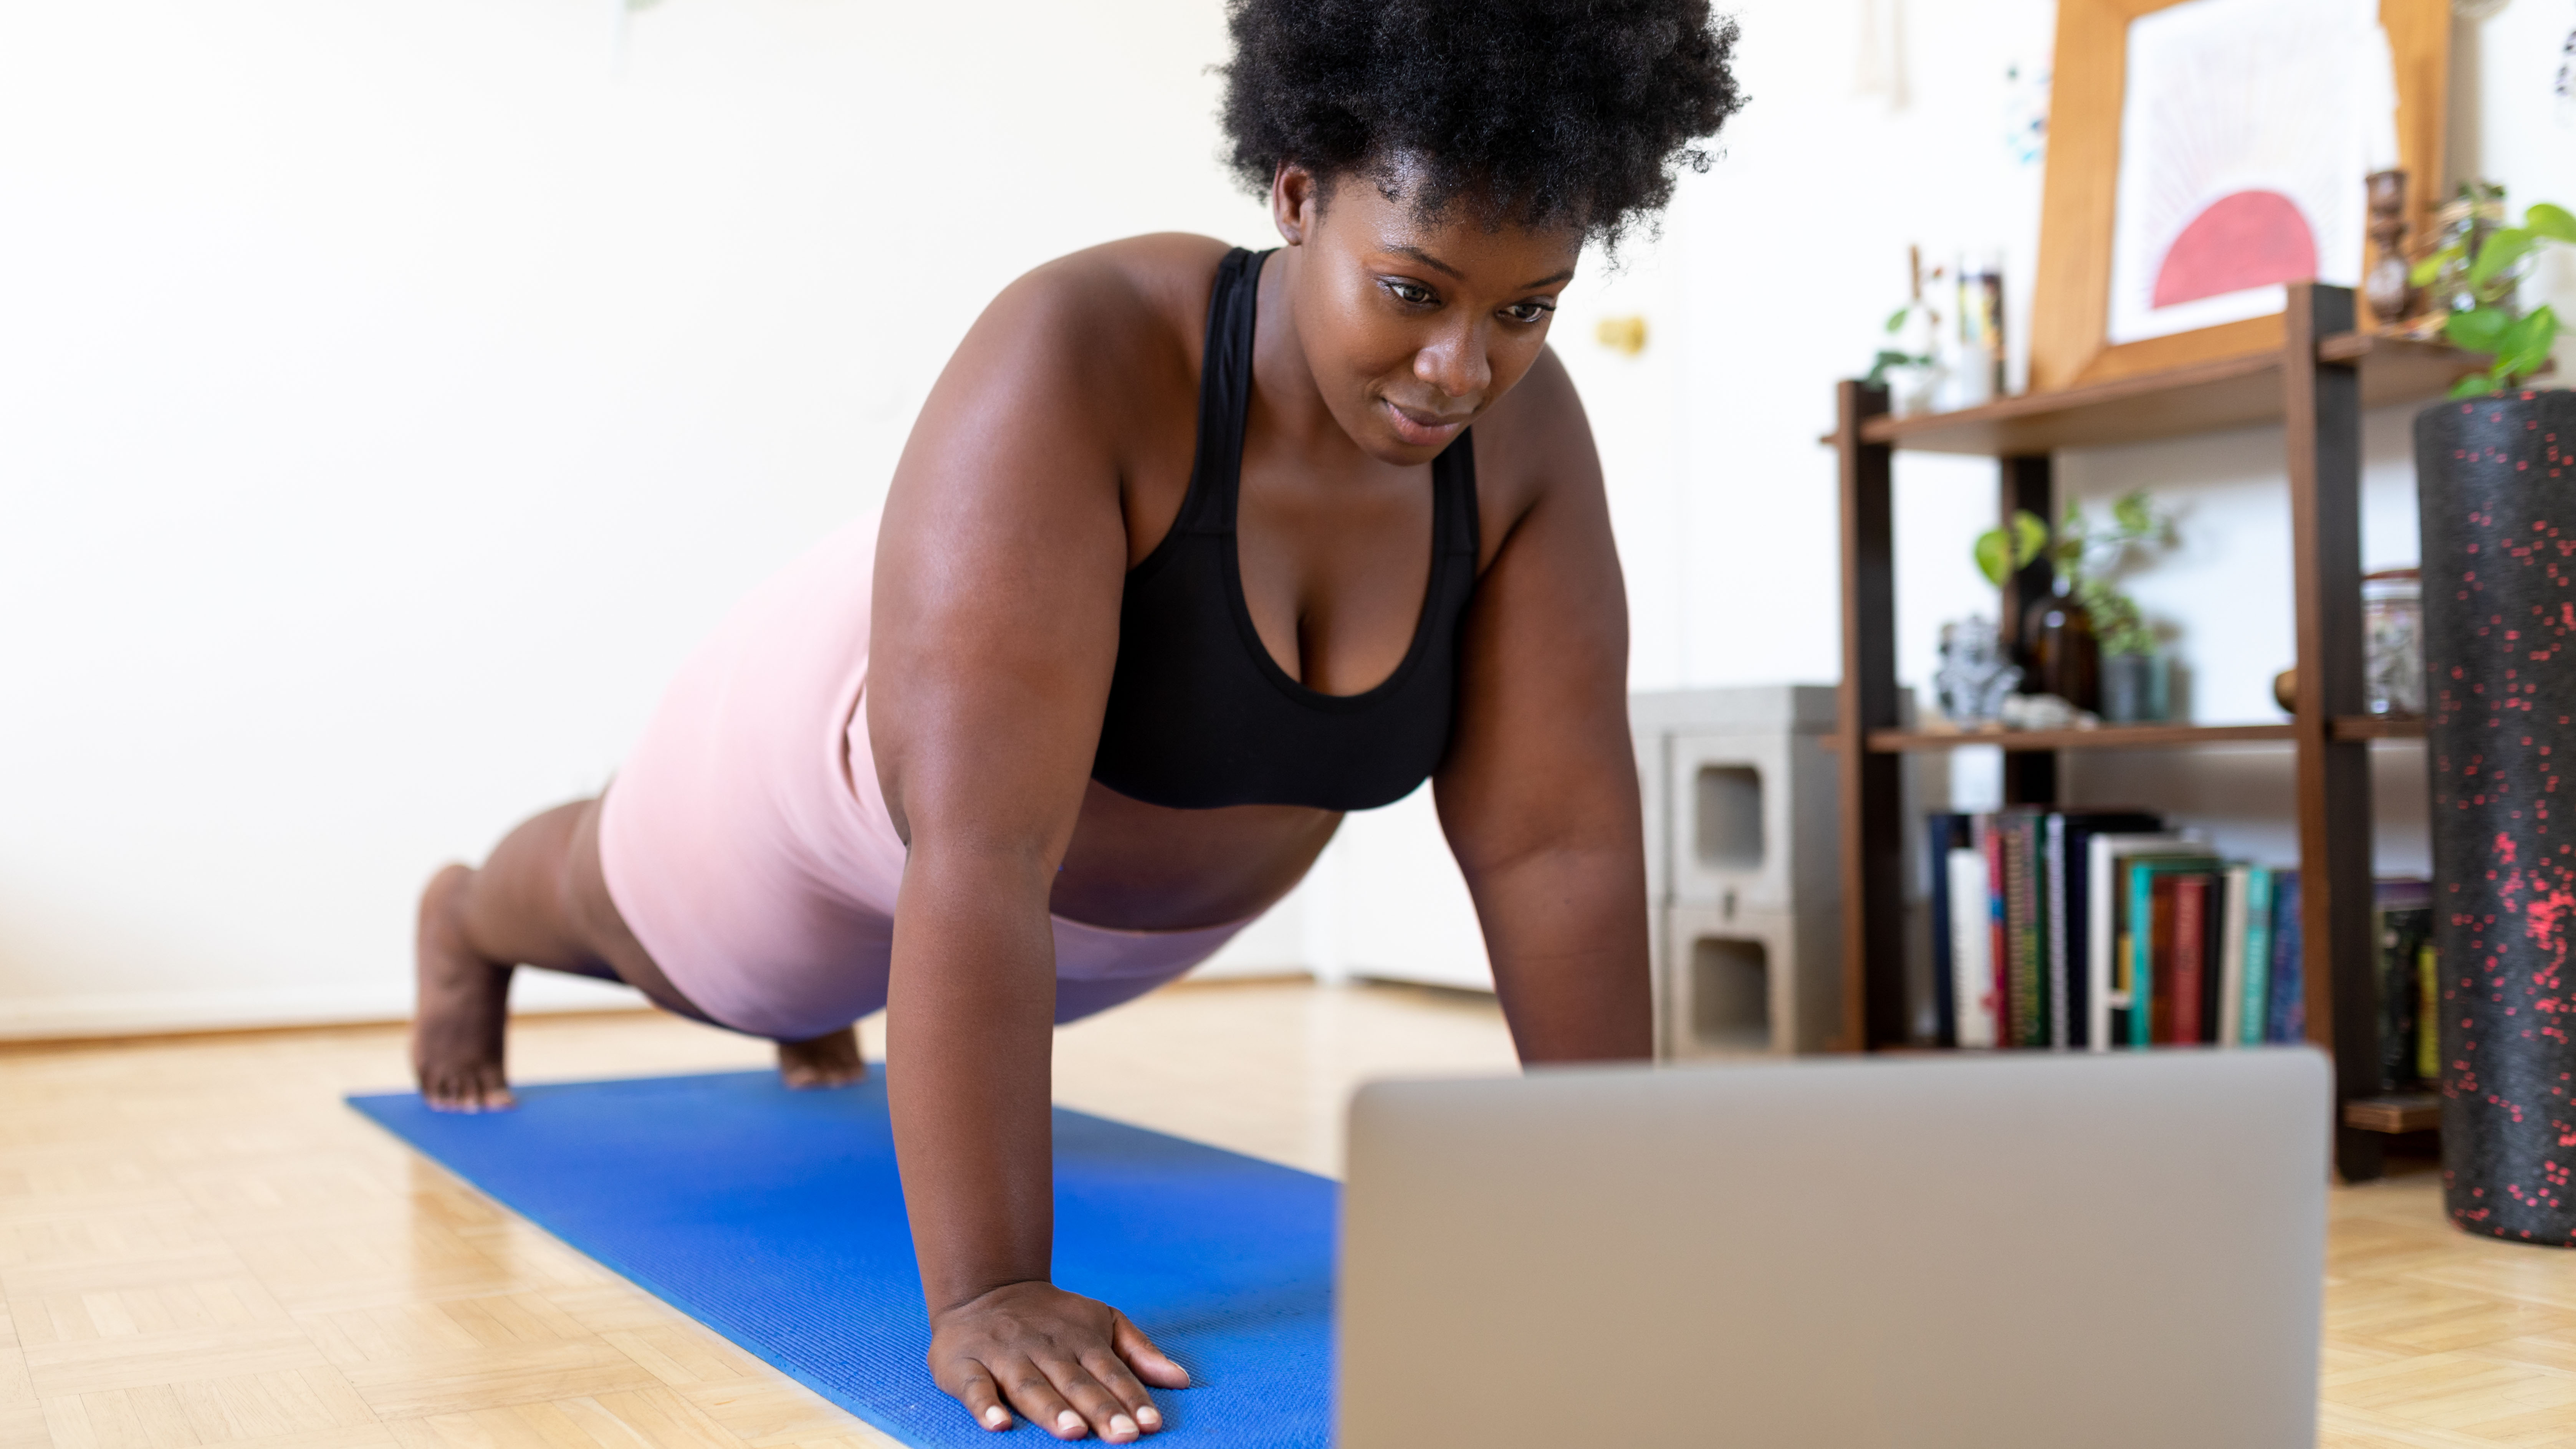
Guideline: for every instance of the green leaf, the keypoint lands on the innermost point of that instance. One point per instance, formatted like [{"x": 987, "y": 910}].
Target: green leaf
[
  {"x": 1896, "y": 319},
  {"x": 2133, "y": 515},
  {"x": 2431, "y": 267},
  {"x": 2526, "y": 346},
  {"x": 2030, "y": 535},
  {"x": 2475, "y": 385},
  {"x": 2553, "y": 222},
  {"x": 2504, "y": 248},
  {"x": 2480, "y": 330},
  {"x": 1994, "y": 556}
]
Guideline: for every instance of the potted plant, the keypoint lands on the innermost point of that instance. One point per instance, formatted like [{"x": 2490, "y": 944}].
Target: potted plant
[
  {"x": 2496, "y": 476},
  {"x": 2088, "y": 643}
]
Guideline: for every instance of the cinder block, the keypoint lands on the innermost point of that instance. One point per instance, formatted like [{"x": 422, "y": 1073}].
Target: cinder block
[{"x": 1747, "y": 982}]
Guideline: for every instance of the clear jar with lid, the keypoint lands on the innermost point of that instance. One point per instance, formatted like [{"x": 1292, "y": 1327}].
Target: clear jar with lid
[{"x": 2392, "y": 631}]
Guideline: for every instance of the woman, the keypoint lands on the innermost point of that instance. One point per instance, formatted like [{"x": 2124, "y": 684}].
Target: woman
[{"x": 1189, "y": 552}]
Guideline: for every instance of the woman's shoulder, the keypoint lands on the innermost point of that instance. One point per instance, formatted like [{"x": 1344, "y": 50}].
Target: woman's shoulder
[
  {"x": 1534, "y": 439},
  {"x": 1145, "y": 293}
]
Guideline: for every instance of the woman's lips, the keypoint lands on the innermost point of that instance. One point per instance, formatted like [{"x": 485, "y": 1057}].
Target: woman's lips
[{"x": 1421, "y": 429}]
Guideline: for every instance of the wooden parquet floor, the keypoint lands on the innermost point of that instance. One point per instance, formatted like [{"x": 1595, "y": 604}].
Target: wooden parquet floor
[{"x": 199, "y": 1246}]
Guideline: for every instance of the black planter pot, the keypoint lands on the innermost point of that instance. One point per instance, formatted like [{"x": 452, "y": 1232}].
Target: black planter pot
[{"x": 2498, "y": 483}]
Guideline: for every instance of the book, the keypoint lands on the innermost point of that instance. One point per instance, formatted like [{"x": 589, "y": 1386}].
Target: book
[
  {"x": 1990, "y": 838},
  {"x": 2186, "y": 953},
  {"x": 2231, "y": 956},
  {"x": 2070, "y": 916},
  {"x": 2428, "y": 1012},
  {"x": 2024, "y": 998},
  {"x": 2211, "y": 922},
  {"x": 2401, "y": 921},
  {"x": 2287, "y": 1021},
  {"x": 1971, "y": 970},
  {"x": 2258, "y": 956},
  {"x": 1944, "y": 831},
  {"x": 2151, "y": 1001},
  {"x": 2106, "y": 969}
]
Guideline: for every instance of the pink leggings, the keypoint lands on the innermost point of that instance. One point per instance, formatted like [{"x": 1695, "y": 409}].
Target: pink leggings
[{"x": 747, "y": 844}]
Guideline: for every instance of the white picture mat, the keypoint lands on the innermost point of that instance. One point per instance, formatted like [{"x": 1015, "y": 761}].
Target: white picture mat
[{"x": 2223, "y": 96}]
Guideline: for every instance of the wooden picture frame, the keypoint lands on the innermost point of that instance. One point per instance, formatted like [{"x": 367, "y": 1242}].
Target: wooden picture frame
[{"x": 2070, "y": 313}]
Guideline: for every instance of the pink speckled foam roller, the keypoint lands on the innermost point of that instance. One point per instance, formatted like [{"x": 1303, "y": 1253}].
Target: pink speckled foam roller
[{"x": 2498, "y": 483}]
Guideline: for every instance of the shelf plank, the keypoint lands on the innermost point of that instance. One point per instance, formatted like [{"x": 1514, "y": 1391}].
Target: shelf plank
[
  {"x": 2234, "y": 392},
  {"x": 2378, "y": 727},
  {"x": 2108, "y": 737},
  {"x": 2395, "y": 1112}
]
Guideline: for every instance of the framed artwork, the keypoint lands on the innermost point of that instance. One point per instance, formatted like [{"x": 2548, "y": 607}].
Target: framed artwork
[{"x": 2204, "y": 153}]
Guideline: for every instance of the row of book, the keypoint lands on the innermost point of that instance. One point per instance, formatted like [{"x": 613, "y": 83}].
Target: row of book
[{"x": 2089, "y": 929}]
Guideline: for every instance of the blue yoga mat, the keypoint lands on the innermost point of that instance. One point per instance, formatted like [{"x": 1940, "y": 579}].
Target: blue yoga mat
[{"x": 775, "y": 1218}]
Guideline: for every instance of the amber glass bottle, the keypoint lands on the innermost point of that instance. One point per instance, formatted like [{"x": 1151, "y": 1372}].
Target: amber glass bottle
[{"x": 2065, "y": 657}]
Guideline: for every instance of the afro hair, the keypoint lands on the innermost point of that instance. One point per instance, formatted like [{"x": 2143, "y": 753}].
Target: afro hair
[{"x": 1542, "y": 112}]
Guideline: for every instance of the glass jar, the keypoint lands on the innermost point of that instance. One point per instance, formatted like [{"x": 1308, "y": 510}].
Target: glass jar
[
  {"x": 2392, "y": 632},
  {"x": 2065, "y": 657},
  {"x": 2464, "y": 223}
]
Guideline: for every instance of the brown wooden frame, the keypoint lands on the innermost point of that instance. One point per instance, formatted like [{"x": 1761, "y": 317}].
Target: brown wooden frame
[{"x": 2070, "y": 312}]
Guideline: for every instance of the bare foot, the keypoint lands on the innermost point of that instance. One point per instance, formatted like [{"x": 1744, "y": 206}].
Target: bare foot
[
  {"x": 463, "y": 1007},
  {"x": 830, "y": 1060}
]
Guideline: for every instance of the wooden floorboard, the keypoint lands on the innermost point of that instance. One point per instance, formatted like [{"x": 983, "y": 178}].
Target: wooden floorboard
[{"x": 199, "y": 1246}]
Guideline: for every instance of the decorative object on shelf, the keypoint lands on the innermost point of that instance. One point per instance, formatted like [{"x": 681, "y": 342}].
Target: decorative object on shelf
[
  {"x": 1975, "y": 677},
  {"x": 2137, "y": 688},
  {"x": 1624, "y": 335},
  {"x": 2392, "y": 641},
  {"x": 2476, "y": 277},
  {"x": 1908, "y": 365},
  {"x": 2393, "y": 295},
  {"x": 1972, "y": 358},
  {"x": 2069, "y": 634},
  {"x": 2045, "y": 712},
  {"x": 2495, "y": 475},
  {"x": 2202, "y": 154},
  {"x": 2065, "y": 652},
  {"x": 2285, "y": 690}
]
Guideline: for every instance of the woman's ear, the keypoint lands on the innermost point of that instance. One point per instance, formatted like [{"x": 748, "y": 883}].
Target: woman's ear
[{"x": 1295, "y": 195}]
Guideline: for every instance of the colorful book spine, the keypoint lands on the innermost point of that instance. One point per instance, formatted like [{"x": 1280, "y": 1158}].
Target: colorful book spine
[
  {"x": 2257, "y": 985},
  {"x": 2053, "y": 916},
  {"x": 1990, "y": 835},
  {"x": 2188, "y": 954},
  {"x": 2428, "y": 1012},
  {"x": 2230, "y": 936},
  {"x": 2021, "y": 913},
  {"x": 2288, "y": 1018},
  {"x": 1972, "y": 974}
]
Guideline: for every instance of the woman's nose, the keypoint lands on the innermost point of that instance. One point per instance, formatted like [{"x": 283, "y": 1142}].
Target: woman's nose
[{"x": 1456, "y": 363}]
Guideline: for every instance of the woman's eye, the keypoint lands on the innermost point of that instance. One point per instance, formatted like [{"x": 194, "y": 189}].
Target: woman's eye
[
  {"x": 1528, "y": 313},
  {"x": 1412, "y": 293}
]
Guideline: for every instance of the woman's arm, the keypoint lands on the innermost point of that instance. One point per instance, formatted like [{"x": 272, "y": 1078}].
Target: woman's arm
[
  {"x": 1539, "y": 793},
  {"x": 1000, "y": 564}
]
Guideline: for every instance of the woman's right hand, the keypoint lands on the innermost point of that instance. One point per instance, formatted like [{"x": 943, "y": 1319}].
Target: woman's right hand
[{"x": 1070, "y": 1364}]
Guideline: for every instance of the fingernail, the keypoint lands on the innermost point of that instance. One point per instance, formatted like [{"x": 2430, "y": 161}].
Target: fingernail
[
  {"x": 998, "y": 1417},
  {"x": 1121, "y": 1424},
  {"x": 1068, "y": 1421},
  {"x": 1150, "y": 1417}
]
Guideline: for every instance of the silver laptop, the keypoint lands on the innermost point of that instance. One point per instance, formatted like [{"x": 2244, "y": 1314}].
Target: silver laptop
[{"x": 1992, "y": 1253}]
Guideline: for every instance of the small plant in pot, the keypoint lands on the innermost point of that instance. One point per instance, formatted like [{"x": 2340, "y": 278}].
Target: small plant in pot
[
  {"x": 2496, "y": 475},
  {"x": 2088, "y": 643}
]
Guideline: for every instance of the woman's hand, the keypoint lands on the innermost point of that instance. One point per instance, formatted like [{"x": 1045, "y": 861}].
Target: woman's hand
[{"x": 1068, "y": 1363}]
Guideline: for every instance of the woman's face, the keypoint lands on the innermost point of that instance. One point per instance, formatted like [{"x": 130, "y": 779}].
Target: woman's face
[{"x": 1413, "y": 325}]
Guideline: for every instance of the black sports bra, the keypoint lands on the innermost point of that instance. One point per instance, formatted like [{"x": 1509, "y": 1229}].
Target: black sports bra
[{"x": 1199, "y": 713}]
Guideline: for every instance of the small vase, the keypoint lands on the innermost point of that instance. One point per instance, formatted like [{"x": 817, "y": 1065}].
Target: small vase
[
  {"x": 2499, "y": 530},
  {"x": 2136, "y": 688},
  {"x": 2065, "y": 657}
]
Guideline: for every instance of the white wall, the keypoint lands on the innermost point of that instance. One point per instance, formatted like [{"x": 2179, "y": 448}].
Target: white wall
[{"x": 391, "y": 393}]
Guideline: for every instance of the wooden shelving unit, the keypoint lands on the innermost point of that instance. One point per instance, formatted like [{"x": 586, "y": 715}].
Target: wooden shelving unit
[{"x": 2316, "y": 386}]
